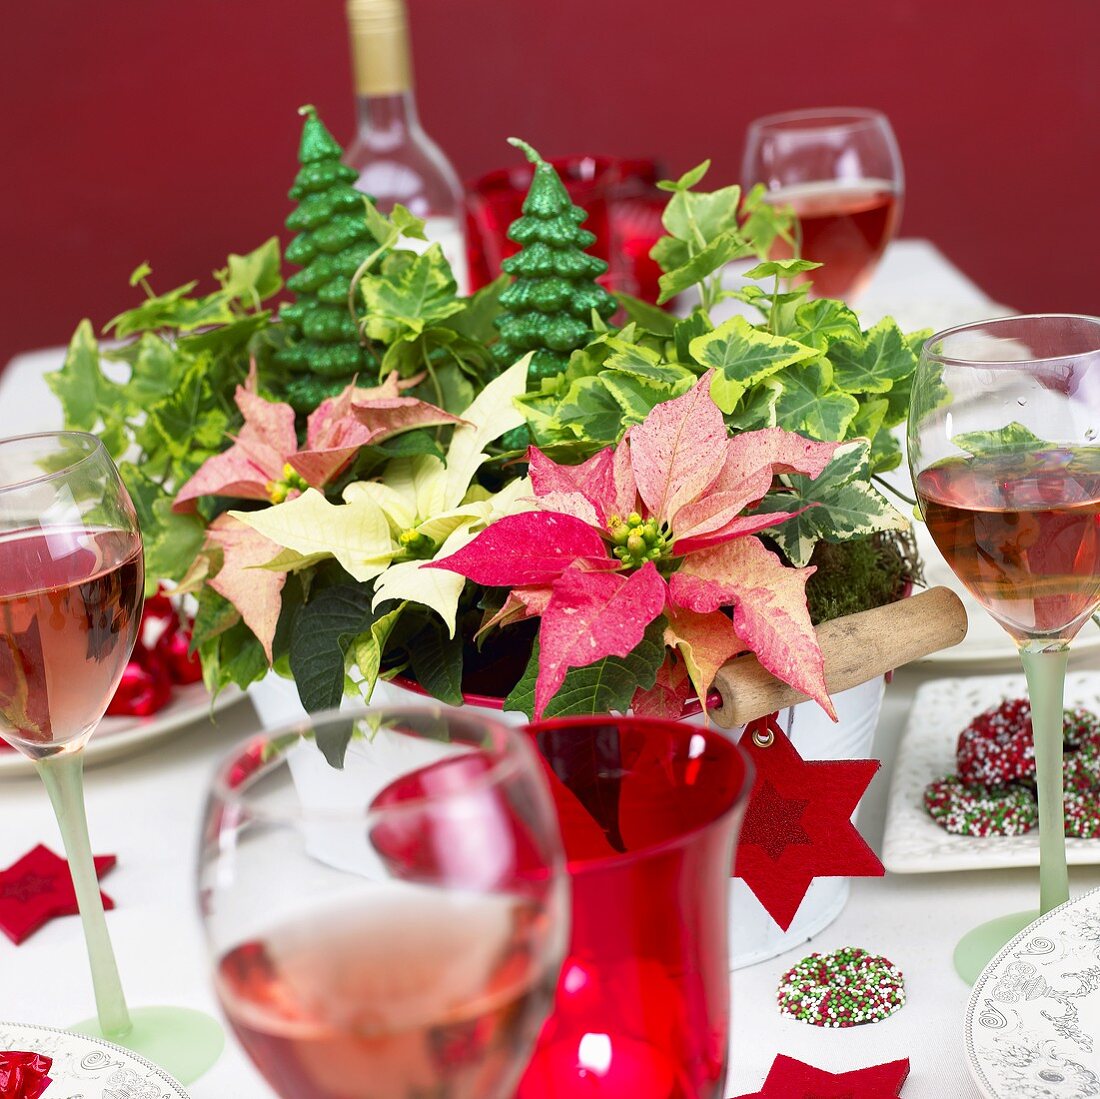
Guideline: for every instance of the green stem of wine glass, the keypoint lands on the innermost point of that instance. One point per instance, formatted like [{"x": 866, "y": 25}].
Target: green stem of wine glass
[
  {"x": 63, "y": 776},
  {"x": 1045, "y": 670}
]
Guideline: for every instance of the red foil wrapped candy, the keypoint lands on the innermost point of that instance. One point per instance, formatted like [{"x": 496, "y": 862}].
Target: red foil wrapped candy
[{"x": 23, "y": 1075}]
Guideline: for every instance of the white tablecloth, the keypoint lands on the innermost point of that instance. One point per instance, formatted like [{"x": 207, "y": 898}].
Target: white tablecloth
[{"x": 146, "y": 809}]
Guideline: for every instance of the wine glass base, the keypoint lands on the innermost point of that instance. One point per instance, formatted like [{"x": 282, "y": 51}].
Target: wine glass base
[
  {"x": 183, "y": 1042},
  {"x": 977, "y": 948}
]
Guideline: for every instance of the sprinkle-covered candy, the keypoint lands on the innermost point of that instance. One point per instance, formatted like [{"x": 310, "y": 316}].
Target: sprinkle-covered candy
[
  {"x": 997, "y": 747},
  {"x": 844, "y": 988},
  {"x": 977, "y": 811}
]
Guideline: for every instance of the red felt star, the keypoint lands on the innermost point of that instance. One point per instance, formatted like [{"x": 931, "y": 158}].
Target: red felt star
[
  {"x": 791, "y": 1079},
  {"x": 798, "y": 825},
  {"x": 39, "y": 887}
]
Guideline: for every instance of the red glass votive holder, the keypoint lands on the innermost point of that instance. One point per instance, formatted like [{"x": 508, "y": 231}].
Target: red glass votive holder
[
  {"x": 649, "y": 812},
  {"x": 624, "y": 212}
]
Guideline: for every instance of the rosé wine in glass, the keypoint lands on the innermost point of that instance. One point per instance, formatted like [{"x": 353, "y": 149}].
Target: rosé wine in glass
[
  {"x": 69, "y": 602},
  {"x": 355, "y": 1013},
  {"x": 845, "y": 226},
  {"x": 1022, "y": 532}
]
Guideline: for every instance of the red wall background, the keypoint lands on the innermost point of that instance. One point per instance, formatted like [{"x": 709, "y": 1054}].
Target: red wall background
[{"x": 166, "y": 131}]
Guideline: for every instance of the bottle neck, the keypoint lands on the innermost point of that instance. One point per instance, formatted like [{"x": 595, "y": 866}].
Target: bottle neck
[{"x": 385, "y": 120}]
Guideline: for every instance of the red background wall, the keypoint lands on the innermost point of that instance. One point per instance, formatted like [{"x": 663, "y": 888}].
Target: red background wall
[{"x": 166, "y": 131}]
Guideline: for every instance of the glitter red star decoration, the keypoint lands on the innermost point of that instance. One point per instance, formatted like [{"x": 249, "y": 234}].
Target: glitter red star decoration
[
  {"x": 798, "y": 824},
  {"x": 39, "y": 887},
  {"x": 791, "y": 1079}
]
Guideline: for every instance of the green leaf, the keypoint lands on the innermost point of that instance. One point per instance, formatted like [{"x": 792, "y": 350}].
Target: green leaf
[
  {"x": 589, "y": 411},
  {"x": 868, "y": 420},
  {"x": 366, "y": 650},
  {"x": 255, "y": 276},
  {"x": 189, "y": 425},
  {"x": 1011, "y": 438},
  {"x": 155, "y": 369},
  {"x": 756, "y": 409},
  {"x": 874, "y": 365},
  {"x": 600, "y": 688},
  {"x": 420, "y": 441},
  {"x": 638, "y": 397},
  {"x": 823, "y": 320},
  {"x": 669, "y": 253},
  {"x": 479, "y": 312},
  {"x": 885, "y": 452},
  {"x": 840, "y": 505},
  {"x": 80, "y": 384},
  {"x": 404, "y": 304},
  {"x": 174, "y": 310},
  {"x": 690, "y": 216},
  {"x": 650, "y": 317},
  {"x": 645, "y": 363},
  {"x": 809, "y": 405},
  {"x": 687, "y": 330},
  {"x": 142, "y": 271},
  {"x": 214, "y": 616},
  {"x": 324, "y": 628},
  {"x": 763, "y": 222},
  {"x": 234, "y": 656},
  {"x": 743, "y": 355},
  {"x": 783, "y": 268},
  {"x": 725, "y": 247},
  {"x": 688, "y": 180},
  {"x": 436, "y": 661}
]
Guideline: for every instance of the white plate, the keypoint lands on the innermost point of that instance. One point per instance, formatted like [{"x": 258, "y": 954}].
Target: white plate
[
  {"x": 117, "y": 736},
  {"x": 1033, "y": 1019},
  {"x": 913, "y": 842},
  {"x": 90, "y": 1068}
]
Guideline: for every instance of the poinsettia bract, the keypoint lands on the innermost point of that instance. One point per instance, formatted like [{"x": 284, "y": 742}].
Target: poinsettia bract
[{"x": 658, "y": 526}]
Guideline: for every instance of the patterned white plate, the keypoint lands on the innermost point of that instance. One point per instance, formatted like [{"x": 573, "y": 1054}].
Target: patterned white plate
[
  {"x": 913, "y": 842},
  {"x": 90, "y": 1068},
  {"x": 1033, "y": 1021},
  {"x": 118, "y": 736}
]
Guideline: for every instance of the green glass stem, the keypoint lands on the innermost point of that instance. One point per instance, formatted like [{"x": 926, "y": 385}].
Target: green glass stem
[
  {"x": 63, "y": 776},
  {"x": 1045, "y": 669}
]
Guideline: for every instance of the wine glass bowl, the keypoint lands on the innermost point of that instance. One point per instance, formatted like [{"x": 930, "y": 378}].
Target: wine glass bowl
[
  {"x": 840, "y": 172},
  {"x": 1005, "y": 459},
  {"x": 1006, "y": 464},
  {"x": 386, "y": 904},
  {"x": 71, "y": 584}
]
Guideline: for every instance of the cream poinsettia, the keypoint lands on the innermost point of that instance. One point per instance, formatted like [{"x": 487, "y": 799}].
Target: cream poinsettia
[{"x": 421, "y": 509}]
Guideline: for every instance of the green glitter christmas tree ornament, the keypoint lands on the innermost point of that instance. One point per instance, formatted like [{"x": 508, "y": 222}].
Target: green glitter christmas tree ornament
[
  {"x": 323, "y": 349},
  {"x": 548, "y": 309}
]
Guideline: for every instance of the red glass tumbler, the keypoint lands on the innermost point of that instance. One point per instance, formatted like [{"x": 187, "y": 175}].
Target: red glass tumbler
[{"x": 649, "y": 812}]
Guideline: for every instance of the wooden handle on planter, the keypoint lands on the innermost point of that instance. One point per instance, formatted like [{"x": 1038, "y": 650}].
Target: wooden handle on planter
[{"x": 857, "y": 647}]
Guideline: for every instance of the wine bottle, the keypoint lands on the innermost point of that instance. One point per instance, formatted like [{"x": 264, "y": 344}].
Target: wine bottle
[{"x": 396, "y": 160}]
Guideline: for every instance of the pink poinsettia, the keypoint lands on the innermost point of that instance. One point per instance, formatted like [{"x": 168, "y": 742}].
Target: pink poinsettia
[
  {"x": 656, "y": 526},
  {"x": 265, "y": 462}
]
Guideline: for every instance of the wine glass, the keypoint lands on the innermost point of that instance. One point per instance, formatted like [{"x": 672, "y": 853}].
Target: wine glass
[
  {"x": 840, "y": 171},
  {"x": 1004, "y": 454},
  {"x": 71, "y": 583},
  {"x": 386, "y": 904}
]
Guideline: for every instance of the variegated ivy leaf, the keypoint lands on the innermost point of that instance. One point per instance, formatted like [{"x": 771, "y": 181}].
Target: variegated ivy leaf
[
  {"x": 756, "y": 409},
  {"x": 742, "y": 356},
  {"x": 589, "y": 412},
  {"x": 725, "y": 247},
  {"x": 839, "y": 505},
  {"x": 874, "y": 365},
  {"x": 823, "y": 320},
  {"x": 885, "y": 452},
  {"x": 811, "y": 406},
  {"x": 640, "y": 361}
]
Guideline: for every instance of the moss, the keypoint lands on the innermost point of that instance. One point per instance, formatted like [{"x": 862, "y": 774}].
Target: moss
[{"x": 858, "y": 575}]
